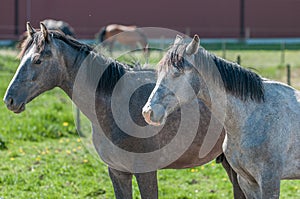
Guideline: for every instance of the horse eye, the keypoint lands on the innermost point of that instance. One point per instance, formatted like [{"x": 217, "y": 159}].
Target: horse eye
[
  {"x": 176, "y": 74},
  {"x": 38, "y": 61}
]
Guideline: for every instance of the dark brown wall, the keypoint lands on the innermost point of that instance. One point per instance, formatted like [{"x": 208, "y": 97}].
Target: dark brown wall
[
  {"x": 273, "y": 18},
  {"x": 210, "y": 19},
  {"x": 6, "y": 19}
]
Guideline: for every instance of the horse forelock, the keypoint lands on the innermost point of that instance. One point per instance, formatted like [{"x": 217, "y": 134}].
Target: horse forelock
[
  {"x": 174, "y": 58},
  {"x": 27, "y": 42}
]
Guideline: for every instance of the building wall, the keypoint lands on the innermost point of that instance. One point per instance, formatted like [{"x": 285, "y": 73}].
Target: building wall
[
  {"x": 210, "y": 19},
  {"x": 273, "y": 18},
  {"x": 6, "y": 19}
]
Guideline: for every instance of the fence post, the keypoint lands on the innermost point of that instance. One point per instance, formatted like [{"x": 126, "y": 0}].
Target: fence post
[
  {"x": 282, "y": 60},
  {"x": 288, "y": 68},
  {"x": 161, "y": 45},
  {"x": 238, "y": 60},
  {"x": 78, "y": 124},
  {"x": 224, "y": 49}
]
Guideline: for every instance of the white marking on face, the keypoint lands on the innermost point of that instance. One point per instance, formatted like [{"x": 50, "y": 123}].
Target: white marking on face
[
  {"x": 23, "y": 60},
  {"x": 28, "y": 55},
  {"x": 158, "y": 82}
]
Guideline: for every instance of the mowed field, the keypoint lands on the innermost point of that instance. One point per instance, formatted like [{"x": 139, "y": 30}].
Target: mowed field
[{"x": 42, "y": 155}]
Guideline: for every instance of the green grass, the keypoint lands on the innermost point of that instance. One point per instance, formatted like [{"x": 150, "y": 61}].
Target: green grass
[{"x": 43, "y": 157}]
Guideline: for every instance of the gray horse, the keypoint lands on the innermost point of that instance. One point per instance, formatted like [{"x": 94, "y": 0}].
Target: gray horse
[
  {"x": 50, "y": 59},
  {"x": 261, "y": 117}
]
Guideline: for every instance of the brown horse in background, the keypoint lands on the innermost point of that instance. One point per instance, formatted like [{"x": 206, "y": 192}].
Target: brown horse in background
[{"x": 130, "y": 36}]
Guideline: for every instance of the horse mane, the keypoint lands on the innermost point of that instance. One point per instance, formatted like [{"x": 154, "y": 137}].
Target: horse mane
[
  {"x": 101, "y": 34},
  {"x": 113, "y": 72},
  {"x": 237, "y": 80}
]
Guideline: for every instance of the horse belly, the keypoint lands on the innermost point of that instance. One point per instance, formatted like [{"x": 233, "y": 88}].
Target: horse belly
[{"x": 191, "y": 158}]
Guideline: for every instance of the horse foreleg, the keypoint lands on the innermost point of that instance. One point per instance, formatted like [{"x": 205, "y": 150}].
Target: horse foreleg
[
  {"x": 237, "y": 191},
  {"x": 270, "y": 183},
  {"x": 148, "y": 185},
  {"x": 264, "y": 183},
  {"x": 122, "y": 183}
]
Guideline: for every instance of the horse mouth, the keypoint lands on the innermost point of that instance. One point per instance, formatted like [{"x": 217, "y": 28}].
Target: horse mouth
[
  {"x": 147, "y": 117},
  {"x": 153, "y": 123},
  {"x": 18, "y": 109}
]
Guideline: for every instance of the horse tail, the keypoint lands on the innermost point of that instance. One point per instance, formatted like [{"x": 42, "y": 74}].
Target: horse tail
[{"x": 101, "y": 35}]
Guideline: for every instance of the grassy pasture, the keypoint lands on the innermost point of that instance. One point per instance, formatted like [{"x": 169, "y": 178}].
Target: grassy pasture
[{"x": 43, "y": 157}]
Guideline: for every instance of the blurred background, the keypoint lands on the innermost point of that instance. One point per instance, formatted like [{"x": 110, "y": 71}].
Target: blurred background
[
  {"x": 209, "y": 19},
  {"x": 42, "y": 155}
]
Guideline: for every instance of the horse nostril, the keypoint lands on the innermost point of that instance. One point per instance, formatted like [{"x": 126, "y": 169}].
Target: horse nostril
[
  {"x": 151, "y": 114},
  {"x": 146, "y": 114},
  {"x": 10, "y": 101},
  {"x": 146, "y": 109}
]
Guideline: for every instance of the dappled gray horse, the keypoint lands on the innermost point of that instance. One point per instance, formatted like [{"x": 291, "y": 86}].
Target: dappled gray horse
[
  {"x": 261, "y": 117},
  {"x": 50, "y": 59}
]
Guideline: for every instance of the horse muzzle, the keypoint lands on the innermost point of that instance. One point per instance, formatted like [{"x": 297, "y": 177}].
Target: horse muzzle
[
  {"x": 155, "y": 116},
  {"x": 14, "y": 105}
]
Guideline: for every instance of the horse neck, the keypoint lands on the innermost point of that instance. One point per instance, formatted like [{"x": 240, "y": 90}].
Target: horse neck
[
  {"x": 82, "y": 83},
  {"x": 229, "y": 109},
  {"x": 72, "y": 60},
  {"x": 210, "y": 86}
]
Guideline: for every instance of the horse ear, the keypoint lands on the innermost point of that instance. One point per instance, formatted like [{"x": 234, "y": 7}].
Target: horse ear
[
  {"x": 193, "y": 47},
  {"x": 30, "y": 29},
  {"x": 44, "y": 31},
  {"x": 178, "y": 40}
]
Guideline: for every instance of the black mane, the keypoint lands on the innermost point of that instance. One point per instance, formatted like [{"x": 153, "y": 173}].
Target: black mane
[
  {"x": 237, "y": 80},
  {"x": 111, "y": 76}
]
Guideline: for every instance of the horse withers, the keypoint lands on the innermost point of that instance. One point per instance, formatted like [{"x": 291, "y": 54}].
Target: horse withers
[{"x": 50, "y": 59}]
